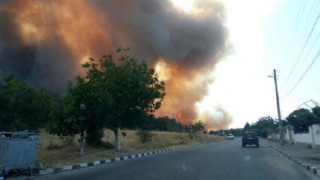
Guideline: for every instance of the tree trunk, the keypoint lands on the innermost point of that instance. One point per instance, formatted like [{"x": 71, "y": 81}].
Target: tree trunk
[
  {"x": 82, "y": 143},
  {"x": 116, "y": 134}
]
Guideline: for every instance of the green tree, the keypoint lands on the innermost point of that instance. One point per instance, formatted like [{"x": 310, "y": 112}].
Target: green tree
[
  {"x": 167, "y": 124},
  {"x": 80, "y": 111},
  {"x": 23, "y": 107},
  {"x": 247, "y": 127},
  {"x": 194, "y": 128},
  {"x": 264, "y": 126},
  {"x": 134, "y": 89},
  {"x": 188, "y": 129},
  {"x": 300, "y": 119},
  {"x": 316, "y": 113},
  {"x": 198, "y": 127}
]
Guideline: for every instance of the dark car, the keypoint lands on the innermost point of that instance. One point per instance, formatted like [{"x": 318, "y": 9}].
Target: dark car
[{"x": 250, "y": 138}]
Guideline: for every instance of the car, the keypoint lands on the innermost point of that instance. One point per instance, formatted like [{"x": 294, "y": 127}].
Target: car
[
  {"x": 250, "y": 138},
  {"x": 230, "y": 137}
]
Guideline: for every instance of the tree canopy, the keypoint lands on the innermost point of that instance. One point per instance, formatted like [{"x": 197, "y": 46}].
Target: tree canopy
[
  {"x": 113, "y": 94},
  {"x": 264, "y": 126},
  {"x": 301, "y": 119},
  {"x": 247, "y": 127},
  {"x": 316, "y": 113},
  {"x": 24, "y": 107}
]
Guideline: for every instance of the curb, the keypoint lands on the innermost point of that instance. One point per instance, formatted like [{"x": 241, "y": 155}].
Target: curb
[
  {"x": 99, "y": 162},
  {"x": 315, "y": 170}
]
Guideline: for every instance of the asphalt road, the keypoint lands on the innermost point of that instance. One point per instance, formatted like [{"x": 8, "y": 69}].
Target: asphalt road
[{"x": 224, "y": 160}]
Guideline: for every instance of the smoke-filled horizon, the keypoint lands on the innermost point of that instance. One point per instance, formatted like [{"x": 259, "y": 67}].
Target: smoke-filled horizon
[{"x": 45, "y": 43}]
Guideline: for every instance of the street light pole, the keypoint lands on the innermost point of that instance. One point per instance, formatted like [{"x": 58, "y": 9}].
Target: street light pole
[{"x": 278, "y": 106}]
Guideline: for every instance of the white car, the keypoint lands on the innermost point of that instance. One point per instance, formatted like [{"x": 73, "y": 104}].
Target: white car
[{"x": 230, "y": 137}]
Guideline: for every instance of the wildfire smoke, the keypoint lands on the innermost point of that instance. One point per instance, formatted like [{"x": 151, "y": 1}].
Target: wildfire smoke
[{"x": 44, "y": 43}]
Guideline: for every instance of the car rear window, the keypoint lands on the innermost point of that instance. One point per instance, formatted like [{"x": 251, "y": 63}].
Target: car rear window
[{"x": 250, "y": 134}]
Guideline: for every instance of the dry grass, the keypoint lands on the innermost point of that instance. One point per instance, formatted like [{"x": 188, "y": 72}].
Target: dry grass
[{"x": 55, "y": 151}]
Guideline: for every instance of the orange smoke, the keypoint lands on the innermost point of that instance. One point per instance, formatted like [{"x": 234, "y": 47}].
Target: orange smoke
[
  {"x": 184, "y": 90},
  {"x": 73, "y": 22},
  {"x": 46, "y": 41}
]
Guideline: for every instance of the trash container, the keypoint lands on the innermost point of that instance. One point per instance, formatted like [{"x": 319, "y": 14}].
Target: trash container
[{"x": 18, "y": 150}]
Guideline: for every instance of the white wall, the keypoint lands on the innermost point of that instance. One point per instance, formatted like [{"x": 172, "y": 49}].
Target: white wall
[
  {"x": 286, "y": 134},
  {"x": 273, "y": 136},
  {"x": 303, "y": 138},
  {"x": 316, "y": 130},
  {"x": 307, "y": 137}
]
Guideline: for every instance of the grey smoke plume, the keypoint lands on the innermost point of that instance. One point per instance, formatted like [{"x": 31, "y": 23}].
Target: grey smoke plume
[
  {"x": 156, "y": 29},
  {"x": 44, "y": 42}
]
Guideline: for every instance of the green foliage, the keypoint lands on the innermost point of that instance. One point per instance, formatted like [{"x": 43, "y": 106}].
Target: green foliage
[
  {"x": 247, "y": 127},
  {"x": 145, "y": 136},
  {"x": 197, "y": 127},
  {"x": 166, "y": 124},
  {"x": 79, "y": 111},
  {"x": 302, "y": 118},
  {"x": 188, "y": 129},
  {"x": 194, "y": 128},
  {"x": 133, "y": 88},
  {"x": 264, "y": 126},
  {"x": 316, "y": 113},
  {"x": 24, "y": 107},
  {"x": 106, "y": 145},
  {"x": 112, "y": 95}
]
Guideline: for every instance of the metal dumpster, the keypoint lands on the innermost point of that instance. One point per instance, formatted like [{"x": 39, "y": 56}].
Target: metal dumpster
[{"x": 18, "y": 150}]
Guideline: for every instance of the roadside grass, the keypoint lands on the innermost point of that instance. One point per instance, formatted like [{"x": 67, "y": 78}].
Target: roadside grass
[{"x": 55, "y": 151}]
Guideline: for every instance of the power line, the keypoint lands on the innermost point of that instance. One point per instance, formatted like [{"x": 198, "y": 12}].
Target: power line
[
  {"x": 316, "y": 8},
  {"x": 311, "y": 48},
  {"x": 315, "y": 103},
  {"x": 296, "y": 30},
  {"x": 298, "y": 19},
  {"x": 297, "y": 25},
  {"x": 305, "y": 72},
  {"x": 305, "y": 103},
  {"x": 301, "y": 52}
]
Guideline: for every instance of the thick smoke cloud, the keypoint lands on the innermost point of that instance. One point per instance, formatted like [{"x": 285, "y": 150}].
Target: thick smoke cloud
[
  {"x": 156, "y": 29},
  {"x": 45, "y": 42},
  {"x": 44, "y": 64}
]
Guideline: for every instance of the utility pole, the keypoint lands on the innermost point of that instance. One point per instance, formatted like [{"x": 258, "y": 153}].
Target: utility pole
[{"x": 278, "y": 106}]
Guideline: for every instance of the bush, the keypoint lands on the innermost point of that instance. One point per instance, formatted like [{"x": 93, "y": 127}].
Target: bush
[
  {"x": 107, "y": 145},
  {"x": 124, "y": 134},
  {"x": 94, "y": 136},
  {"x": 145, "y": 136}
]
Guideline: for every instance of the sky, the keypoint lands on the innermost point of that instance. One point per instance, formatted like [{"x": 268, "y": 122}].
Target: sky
[{"x": 266, "y": 35}]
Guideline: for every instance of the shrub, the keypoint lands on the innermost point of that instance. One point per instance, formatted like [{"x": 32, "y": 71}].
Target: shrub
[
  {"x": 107, "y": 145},
  {"x": 124, "y": 134},
  {"x": 145, "y": 136}
]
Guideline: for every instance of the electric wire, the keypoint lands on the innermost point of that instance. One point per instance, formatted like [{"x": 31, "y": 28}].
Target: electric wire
[
  {"x": 305, "y": 72},
  {"x": 302, "y": 50},
  {"x": 296, "y": 30}
]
